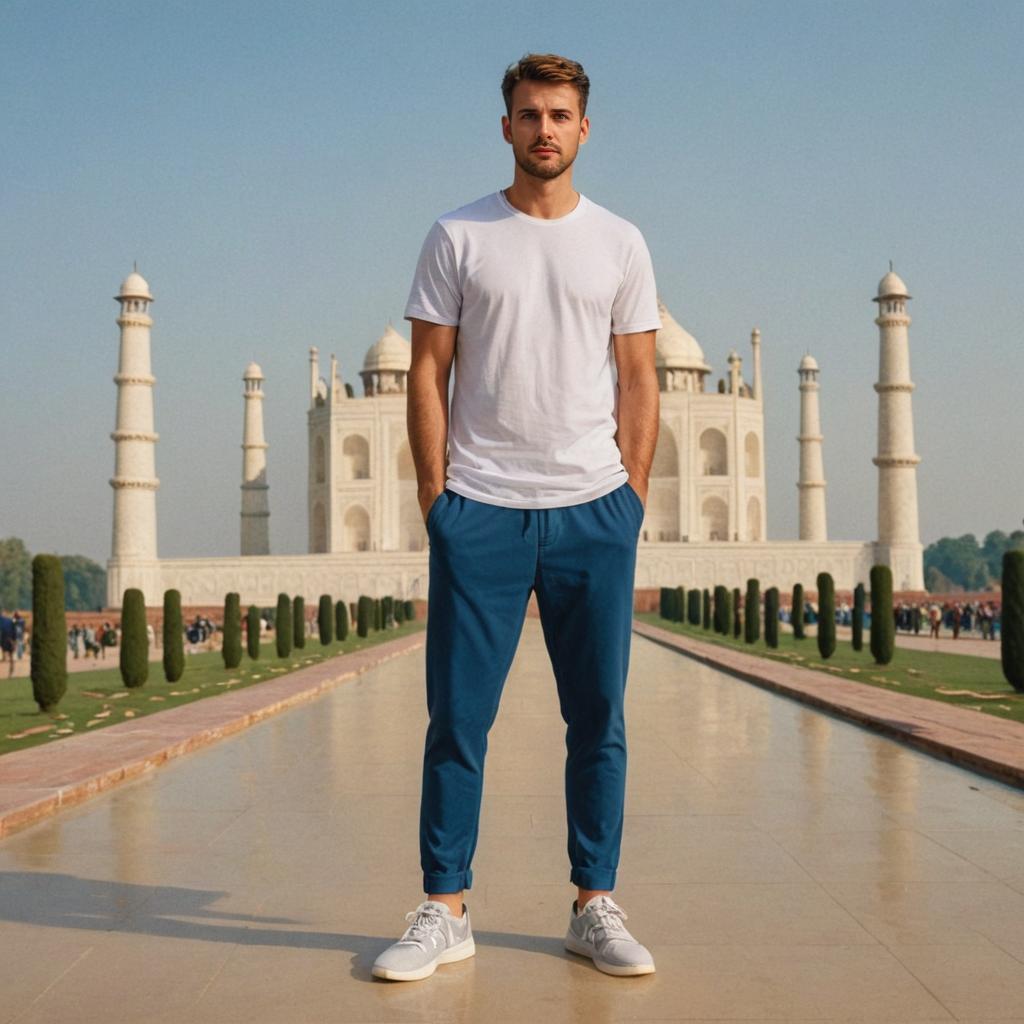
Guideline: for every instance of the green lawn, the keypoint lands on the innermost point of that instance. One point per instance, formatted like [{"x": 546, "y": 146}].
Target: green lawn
[
  {"x": 99, "y": 698},
  {"x": 920, "y": 673}
]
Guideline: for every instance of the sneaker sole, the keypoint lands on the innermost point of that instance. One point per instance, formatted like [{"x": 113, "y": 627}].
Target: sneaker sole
[
  {"x": 619, "y": 970},
  {"x": 463, "y": 951}
]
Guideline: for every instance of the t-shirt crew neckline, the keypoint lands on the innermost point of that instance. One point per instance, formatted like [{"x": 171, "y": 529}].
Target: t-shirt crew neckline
[{"x": 577, "y": 211}]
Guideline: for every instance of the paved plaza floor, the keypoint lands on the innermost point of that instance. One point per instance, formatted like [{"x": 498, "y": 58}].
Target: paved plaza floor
[{"x": 781, "y": 865}]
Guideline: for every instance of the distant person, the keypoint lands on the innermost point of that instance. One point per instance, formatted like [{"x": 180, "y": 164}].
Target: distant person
[
  {"x": 546, "y": 302},
  {"x": 7, "y": 641},
  {"x": 19, "y": 636},
  {"x": 935, "y": 621}
]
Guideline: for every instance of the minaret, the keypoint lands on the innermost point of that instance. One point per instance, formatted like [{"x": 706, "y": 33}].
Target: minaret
[
  {"x": 314, "y": 373},
  {"x": 755, "y": 344},
  {"x": 255, "y": 504},
  {"x": 737, "y": 529},
  {"x": 898, "y": 534},
  {"x": 133, "y": 557},
  {"x": 812, "y": 470}
]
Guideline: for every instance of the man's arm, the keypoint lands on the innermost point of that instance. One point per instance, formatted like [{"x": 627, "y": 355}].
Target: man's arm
[
  {"x": 426, "y": 411},
  {"x": 639, "y": 405}
]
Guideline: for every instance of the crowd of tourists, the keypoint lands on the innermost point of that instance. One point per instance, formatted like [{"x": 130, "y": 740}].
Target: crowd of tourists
[{"x": 979, "y": 620}]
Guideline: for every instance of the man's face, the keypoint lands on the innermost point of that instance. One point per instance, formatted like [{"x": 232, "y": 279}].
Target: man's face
[{"x": 545, "y": 129}]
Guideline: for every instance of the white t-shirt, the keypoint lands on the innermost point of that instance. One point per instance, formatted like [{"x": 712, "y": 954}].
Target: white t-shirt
[{"x": 535, "y": 401}]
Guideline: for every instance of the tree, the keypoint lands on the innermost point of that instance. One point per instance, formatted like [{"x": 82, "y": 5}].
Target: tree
[
  {"x": 85, "y": 583},
  {"x": 49, "y": 633},
  {"x": 16, "y": 574},
  {"x": 299, "y": 622},
  {"x": 231, "y": 648},
  {"x": 883, "y": 625},
  {"x": 410, "y": 611},
  {"x": 399, "y": 612},
  {"x": 325, "y": 620},
  {"x": 752, "y": 612},
  {"x": 341, "y": 620},
  {"x": 797, "y": 612},
  {"x": 706, "y": 608},
  {"x": 737, "y": 613},
  {"x": 771, "y": 616},
  {"x": 857, "y": 638},
  {"x": 960, "y": 560},
  {"x": 253, "y": 624},
  {"x": 283, "y": 626},
  {"x": 826, "y": 615},
  {"x": 1012, "y": 643},
  {"x": 173, "y": 637},
  {"x": 134, "y": 639}
]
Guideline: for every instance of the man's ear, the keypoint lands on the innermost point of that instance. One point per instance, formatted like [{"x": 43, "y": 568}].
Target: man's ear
[
  {"x": 506, "y": 129},
  {"x": 584, "y": 130}
]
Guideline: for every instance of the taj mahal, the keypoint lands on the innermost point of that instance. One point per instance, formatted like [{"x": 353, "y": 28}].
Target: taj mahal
[{"x": 706, "y": 510}]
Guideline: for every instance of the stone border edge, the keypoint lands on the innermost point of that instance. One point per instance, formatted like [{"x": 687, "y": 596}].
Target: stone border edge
[{"x": 51, "y": 799}]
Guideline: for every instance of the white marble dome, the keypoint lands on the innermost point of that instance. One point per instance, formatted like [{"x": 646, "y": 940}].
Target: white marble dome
[
  {"x": 390, "y": 352},
  {"x": 253, "y": 372},
  {"x": 808, "y": 362},
  {"x": 892, "y": 284},
  {"x": 675, "y": 347},
  {"x": 134, "y": 286}
]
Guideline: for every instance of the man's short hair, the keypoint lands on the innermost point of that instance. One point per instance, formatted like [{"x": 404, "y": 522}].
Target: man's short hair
[{"x": 546, "y": 67}]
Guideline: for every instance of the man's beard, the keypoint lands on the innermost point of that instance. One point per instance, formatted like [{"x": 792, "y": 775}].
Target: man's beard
[{"x": 546, "y": 169}]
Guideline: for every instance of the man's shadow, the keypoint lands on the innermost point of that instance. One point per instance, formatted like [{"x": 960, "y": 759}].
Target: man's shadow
[{"x": 57, "y": 900}]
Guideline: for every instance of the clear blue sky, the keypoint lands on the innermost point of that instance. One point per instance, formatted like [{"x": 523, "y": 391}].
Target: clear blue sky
[{"x": 273, "y": 168}]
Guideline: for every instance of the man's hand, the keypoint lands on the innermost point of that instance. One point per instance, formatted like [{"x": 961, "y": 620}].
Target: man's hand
[
  {"x": 639, "y": 484},
  {"x": 427, "y": 499}
]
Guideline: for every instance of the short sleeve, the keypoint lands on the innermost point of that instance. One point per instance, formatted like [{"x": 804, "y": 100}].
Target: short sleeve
[
  {"x": 436, "y": 295},
  {"x": 635, "y": 307}
]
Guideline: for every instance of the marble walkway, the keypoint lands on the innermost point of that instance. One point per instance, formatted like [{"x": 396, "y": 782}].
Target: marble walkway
[{"x": 781, "y": 864}]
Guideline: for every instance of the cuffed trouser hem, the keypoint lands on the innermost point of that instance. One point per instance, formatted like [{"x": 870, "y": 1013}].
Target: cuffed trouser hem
[
  {"x": 593, "y": 878},
  {"x": 441, "y": 884}
]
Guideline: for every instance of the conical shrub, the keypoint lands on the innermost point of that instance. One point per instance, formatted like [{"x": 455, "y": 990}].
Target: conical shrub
[
  {"x": 719, "y": 615},
  {"x": 325, "y": 620},
  {"x": 253, "y": 622},
  {"x": 231, "y": 648},
  {"x": 771, "y": 617},
  {"x": 299, "y": 622},
  {"x": 49, "y": 633},
  {"x": 857, "y": 618},
  {"x": 410, "y": 611},
  {"x": 283, "y": 626},
  {"x": 1012, "y": 626},
  {"x": 693, "y": 607},
  {"x": 826, "y": 615},
  {"x": 364, "y": 615},
  {"x": 134, "y": 658},
  {"x": 706, "y": 608},
  {"x": 797, "y": 612},
  {"x": 341, "y": 620},
  {"x": 737, "y": 613},
  {"x": 173, "y": 637},
  {"x": 883, "y": 626},
  {"x": 752, "y": 612}
]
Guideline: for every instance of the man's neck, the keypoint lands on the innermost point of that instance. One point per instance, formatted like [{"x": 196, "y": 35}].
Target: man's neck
[{"x": 544, "y": 198}]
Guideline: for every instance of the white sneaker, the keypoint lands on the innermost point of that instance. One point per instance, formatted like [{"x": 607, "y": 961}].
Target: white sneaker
[
  {"x": 434, "y": 937},
  {"x": 598, "y": 932}
]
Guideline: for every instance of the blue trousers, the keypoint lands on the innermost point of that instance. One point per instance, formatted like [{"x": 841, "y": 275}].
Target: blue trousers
[{"x": 485, "y": 560}]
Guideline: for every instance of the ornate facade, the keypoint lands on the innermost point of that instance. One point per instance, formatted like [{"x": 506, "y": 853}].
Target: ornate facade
[{"x": 707, "y": 503}]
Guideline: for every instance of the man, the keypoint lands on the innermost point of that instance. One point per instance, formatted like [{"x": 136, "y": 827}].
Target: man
[{"x": 548, "y": 299}]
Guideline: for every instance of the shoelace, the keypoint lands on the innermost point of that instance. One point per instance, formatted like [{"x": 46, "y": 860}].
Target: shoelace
[
  {"x": 608, "y": 916},
  {"x": 424, "y": 921}
]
